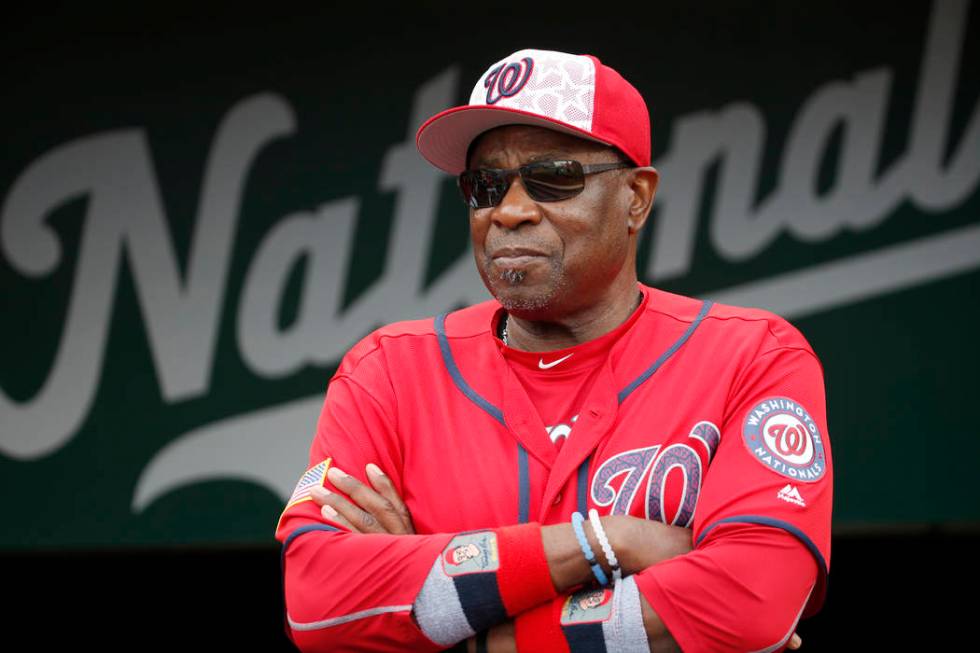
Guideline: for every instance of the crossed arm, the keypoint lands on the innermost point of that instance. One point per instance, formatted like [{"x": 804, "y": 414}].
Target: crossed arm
[{"x": 638, "y": 543}]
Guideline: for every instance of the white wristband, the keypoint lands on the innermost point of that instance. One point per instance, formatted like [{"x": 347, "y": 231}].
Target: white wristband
[{"x": 607, "y": 549}]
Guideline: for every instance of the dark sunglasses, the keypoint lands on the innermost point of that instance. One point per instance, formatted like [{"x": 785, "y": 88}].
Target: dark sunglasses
[{"x": 544, "y": 181}]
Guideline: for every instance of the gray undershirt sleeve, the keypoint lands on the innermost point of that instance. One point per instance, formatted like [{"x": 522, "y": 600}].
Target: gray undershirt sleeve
[
  {"x": 624, "y": 632},
  {"x": 438, "y": 611}
]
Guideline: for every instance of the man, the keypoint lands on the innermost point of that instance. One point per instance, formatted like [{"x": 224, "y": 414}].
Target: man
[{"x": 436, "y": 509}]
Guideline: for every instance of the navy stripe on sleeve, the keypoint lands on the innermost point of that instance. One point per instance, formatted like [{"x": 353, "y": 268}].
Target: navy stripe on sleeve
[
  {"x": 479, "y": 595},
  {"x": 585, "y": 638},
  {"x": 775, "y": 523}
]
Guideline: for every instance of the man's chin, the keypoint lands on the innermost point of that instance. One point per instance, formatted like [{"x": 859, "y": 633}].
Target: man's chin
[{"x": 522, "y": 300}]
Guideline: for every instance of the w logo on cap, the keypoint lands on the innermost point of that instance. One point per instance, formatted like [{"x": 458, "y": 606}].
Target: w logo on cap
[{"x": 507, "y": 80}]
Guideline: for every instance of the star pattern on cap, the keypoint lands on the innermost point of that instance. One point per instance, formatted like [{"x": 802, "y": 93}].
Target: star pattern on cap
[
  {"x": 525, "y": 101},
  {"x": 571, "y": 99},
  {"x": 559, "y": 87}
]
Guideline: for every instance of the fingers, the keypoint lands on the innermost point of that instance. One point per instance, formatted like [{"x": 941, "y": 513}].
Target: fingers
[
  {"x": 375, "y": 509},
  {"x": 320, "y": 495},
  {"x": 795, "y": 642},
  {"x": 336, "y": 508},
  {"x": 380, "y": 482},
  {"x": 366, "y": 510},
  {"x": 323, "y": 498}
]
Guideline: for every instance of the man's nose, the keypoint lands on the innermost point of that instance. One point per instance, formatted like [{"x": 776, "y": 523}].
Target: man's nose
[{"x": 516, "y": 208}]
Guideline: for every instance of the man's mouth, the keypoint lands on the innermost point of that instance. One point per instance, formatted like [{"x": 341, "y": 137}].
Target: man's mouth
[{"x": 516, "y": 257}]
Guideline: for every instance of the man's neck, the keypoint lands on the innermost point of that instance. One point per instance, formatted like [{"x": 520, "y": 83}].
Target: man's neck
[{"x": 574, "y": 329}]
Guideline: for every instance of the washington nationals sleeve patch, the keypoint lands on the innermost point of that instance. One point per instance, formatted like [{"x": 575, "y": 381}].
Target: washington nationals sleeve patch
[{"x": 781, "y": 434}]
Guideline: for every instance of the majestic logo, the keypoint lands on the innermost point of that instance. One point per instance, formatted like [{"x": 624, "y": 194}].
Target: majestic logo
[
  {"x": 781, "y": 435},
  {"x": 790, "y": 494},
  {"x": 507, "y": 80}
]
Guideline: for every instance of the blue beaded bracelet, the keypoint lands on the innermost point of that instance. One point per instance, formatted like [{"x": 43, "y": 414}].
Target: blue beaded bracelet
[{"x": 577, "y": 521}]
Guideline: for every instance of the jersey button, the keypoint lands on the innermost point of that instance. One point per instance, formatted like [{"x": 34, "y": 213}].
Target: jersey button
[{"x": 557, "y": 499}]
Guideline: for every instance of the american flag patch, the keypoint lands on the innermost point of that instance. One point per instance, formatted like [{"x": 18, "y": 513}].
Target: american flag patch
[{"x": 313, "y": 477}]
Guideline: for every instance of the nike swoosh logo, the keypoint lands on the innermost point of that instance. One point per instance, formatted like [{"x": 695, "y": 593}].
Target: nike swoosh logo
[{"x": 548, "y": 366}]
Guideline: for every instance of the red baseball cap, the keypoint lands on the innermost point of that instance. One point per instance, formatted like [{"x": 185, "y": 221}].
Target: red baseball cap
[{"x": 574, "y": 94}]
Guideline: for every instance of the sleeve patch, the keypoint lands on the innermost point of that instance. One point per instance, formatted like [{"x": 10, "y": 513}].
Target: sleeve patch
[
  {"x": 781, "y": 434},
  {"x": 311, "y": 478},
  {"x": 472, "y": 553},
  {"x": 587, "y": 607}
]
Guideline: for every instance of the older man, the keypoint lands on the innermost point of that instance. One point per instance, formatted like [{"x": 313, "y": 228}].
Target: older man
[{"x": 439, "y": 512}]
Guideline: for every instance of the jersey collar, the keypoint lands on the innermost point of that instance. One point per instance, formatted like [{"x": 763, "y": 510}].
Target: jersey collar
[{"x": 570, "y": 360}]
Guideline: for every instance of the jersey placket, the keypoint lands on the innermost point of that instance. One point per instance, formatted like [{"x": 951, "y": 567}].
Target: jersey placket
[{"x": 596, "y": 418}]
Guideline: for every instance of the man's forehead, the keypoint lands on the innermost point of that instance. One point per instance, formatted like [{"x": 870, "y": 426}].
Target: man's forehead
[{"x": 528, "y": 142}]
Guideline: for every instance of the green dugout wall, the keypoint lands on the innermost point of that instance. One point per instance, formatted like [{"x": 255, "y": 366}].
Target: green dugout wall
[{"x": 201, "y": 214}]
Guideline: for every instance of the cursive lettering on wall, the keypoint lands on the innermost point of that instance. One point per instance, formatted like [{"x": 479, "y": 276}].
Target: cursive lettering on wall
[{"x": 125, "y": 224}]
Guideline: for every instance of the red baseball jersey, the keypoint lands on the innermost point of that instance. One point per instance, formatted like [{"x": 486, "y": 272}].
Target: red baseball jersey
[{"x": 702, "y": 415}]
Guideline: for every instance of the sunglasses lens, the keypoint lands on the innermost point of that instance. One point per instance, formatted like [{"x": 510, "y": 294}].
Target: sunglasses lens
[
  {"x": 546, "y": 181},
  {"x": 482, "y": 189},
  {"x": 551, "y": 181},
  {"x": 465, "y": 183}
]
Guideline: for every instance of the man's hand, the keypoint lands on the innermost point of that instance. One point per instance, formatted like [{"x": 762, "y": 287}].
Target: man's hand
[{"x": 375, "y": 509}]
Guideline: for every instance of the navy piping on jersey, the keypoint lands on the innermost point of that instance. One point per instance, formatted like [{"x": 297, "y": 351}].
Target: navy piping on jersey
[
  {"x": 282, "y": 564},
  {"x": 775, "y": 523},
  {"x": 305, "y": 529},
  {"x": 497, "y": 414},
  {"x": 289, "y": 540},
  {"x": 583, "y": 487},
  {"x": 523, "y": 480},
  {"x": 628, "y": 390},
  {"x": 457, "y": 376},
  {"x": 523, "y": 486}
]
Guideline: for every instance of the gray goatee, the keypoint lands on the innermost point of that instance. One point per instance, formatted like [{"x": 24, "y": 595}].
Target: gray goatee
[{"x": 513, "y": 277}]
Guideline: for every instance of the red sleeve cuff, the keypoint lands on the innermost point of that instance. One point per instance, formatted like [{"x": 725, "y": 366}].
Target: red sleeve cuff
[
  {"x": 540, "y": 630},
  {"x": 523, "y": 578}
]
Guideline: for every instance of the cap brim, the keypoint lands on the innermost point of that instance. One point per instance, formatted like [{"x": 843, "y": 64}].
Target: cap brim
[{"x": 445, "y": 137}]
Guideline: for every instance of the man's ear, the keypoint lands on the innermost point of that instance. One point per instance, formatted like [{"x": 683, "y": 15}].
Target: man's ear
[{"x": 643, "y": 187}]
